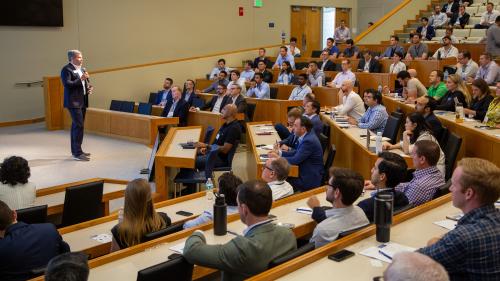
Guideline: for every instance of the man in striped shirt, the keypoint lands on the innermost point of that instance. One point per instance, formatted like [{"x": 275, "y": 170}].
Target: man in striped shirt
[
  {"x": 427, "y": 178},
  {"x": 375, "y": 117}
]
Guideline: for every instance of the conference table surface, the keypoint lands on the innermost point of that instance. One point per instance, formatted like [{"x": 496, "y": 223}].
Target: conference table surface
[{"x": 414, "y": 232}]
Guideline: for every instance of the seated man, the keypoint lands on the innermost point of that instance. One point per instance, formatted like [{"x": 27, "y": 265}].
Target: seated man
[
  {"x": 412, "y": 87},
  {"x": 235, "y": 98},
  {"x": 68, "y": 266},
  {"x": 227, "y": 139},
  {"x": 351, "y": 51},
  {"x": 411, "y": 266},
  {"x": 450, "y": 8},
  {"x": 466, "y": 67},
  {"x": 447, "y": 50},
  {"x": 426, "y": 30},
  {"x": 470, "y": 251},
  {"x": 266, "y": 74},
  {"x": 215, "y": 103},
  {"x": 342, "y": 33},
  {"x": 308, "y": 156},
  {"x": 460, "y": 19},
  {"x": 343, "y": 189},
  {"x": 221, "y": 66},
  {"x": 247, "y": 72},
  {"x": 438, "y": 19},
  {"x": 333, "y": 50},
  {"x": 311, "y": 111},
  {"x": 250, "y": 253},
  {"x": 284, "y": 56},
  {"x": 345, "y": 74},
  {"x": 177, "y": 107},
  {"x": 261, "y": 58},
  {"x": 425, "y": 106},
  {"x": 326, "y": 63},
  {"x": 488, "y": 70},
  {"x": 375, "y": 117},
  {"x": 437, "y": 88},
  {"x": 165, "y": 95},
  {"x": 288, "y": 139},
  {"x": 417, "y": 49},
  {"x": 221, "y": 79},
  {"x": 389, "y": 170},
  {"x": 393, "y": 48},
  {"x": 352, "y": 104},
  {"x": 292, "y": 47},
  {"x": 274, "y": 173},
  {"x": 316, "y": 76},
  {"x": 427, "y": 178},
  {"x": 25, "y": 247},
  {"x": 368, "y": 63},
  {"x": 302, "y": 89},
  {"x": 258, "y": 88},
  {"x": 488, "y": 17}
]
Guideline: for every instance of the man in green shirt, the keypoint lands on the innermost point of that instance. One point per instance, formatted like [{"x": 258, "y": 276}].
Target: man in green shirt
[{"x": 437, "y": 89}]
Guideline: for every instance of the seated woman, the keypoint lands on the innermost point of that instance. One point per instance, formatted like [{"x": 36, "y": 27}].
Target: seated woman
[
  {"x": 235, "y": 79},
  {"x": 286, "y": 74},
  {"x": 416, "y": 129},
  {"x": 139, "y": 216},
  {"x": 228, "y": 185},
  {"x": 492, "y": 118},
  {"x": 397, "y": 65},
  {"x": 481, "y": 99},
  {"x": 456, "y": 89},
  {"x": 15, "y": 189}
]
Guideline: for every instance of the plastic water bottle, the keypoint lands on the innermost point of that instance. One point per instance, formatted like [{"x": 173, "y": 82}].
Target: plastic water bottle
[
  {"x": 378, "y": 143},
  {"x": 120, "y": 215},
  {"x": 320, "y": 81},
  {"x": 446, "y": 75},
  {"x": 210, "y": 191},
  {"x": 285, "y": 79},
  {"x": 380, "y": 88}
]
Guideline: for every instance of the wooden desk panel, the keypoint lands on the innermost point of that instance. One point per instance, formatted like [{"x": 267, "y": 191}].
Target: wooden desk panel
[{"x": 274, "y": 110}]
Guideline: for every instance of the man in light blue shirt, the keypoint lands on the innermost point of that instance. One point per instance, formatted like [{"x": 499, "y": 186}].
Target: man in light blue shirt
[
  {"x": 345, "y": 74},
  {"x": 247, "y": 72},
  {"x": 259, "y": 88},
  {"x": 376, "y": 116},
  {"x": 284, "y": 56},
  {"x": 488, "y": 70}
]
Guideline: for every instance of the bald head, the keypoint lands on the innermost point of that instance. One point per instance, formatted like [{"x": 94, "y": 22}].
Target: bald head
[
  {"x": 348, "y": 84},
  {"x": 412, "y": 266},
  {"x": 230, "y": 110},
  {"x": 413, "y": 73}
]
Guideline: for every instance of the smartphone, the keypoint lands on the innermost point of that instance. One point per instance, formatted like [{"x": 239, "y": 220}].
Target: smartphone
[
  {"x": 184, "y": 213},
  {"x": 454, "y": 217},
  {"x": 340, "y": 256}
]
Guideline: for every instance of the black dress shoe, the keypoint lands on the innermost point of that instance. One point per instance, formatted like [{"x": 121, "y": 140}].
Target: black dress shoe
[
  {"x": 81, "y": 157},
  {"x": 86, "y": 154}
]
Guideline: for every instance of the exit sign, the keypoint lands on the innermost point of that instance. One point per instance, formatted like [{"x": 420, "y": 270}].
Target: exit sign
[{"x": 257, "y": 3}]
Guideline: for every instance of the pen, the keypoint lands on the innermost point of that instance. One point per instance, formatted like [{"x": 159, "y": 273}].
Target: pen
[
  {"x": 232, "y": 232},
  {"x": 384, "y": 254}
]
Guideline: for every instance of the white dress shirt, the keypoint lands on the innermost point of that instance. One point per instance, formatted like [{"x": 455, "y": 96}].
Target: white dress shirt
[
  {"x": 352, "y": 106},
  {"x": 280, "y": 189}
]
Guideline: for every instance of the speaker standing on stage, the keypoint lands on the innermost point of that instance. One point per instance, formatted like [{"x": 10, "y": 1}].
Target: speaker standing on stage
[{"x": 76, "y": 90}]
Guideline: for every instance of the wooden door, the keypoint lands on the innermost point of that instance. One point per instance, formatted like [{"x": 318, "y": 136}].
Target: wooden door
[{"x": 306, "y": 27}]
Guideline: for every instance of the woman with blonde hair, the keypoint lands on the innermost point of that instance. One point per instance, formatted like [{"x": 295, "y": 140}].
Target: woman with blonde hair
[
  {"x": 139, "y": 216},
  {"x": 456, "y": 89}
]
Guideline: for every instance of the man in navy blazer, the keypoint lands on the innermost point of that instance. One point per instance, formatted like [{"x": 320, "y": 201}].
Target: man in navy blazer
[
  {"x": 76, "y": 90},
  {"x": 236, "y": 98},
  {"x": 308, "y": 156},
  {"x": 177, "y": 107},
  {"x": 24, "y": 247},
  {"x": 429, "y": 29},
  {"x": 165, "y": 95},
  {"x": 373, "y": 64}
]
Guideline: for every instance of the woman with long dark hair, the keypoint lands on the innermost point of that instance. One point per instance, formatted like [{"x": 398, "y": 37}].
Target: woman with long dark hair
[
  {"x": 481, "y": 99},
  {"x": 286, "y": 73}
]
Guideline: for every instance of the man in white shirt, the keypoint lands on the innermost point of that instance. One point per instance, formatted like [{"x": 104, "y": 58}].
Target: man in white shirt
[
  {"x": 488, "y": 18},
  {"x": 352, "y": 104},
  {"x": 221, "y": 65},
  {"x": 466, "y": 67},
  {"x": 301, "y": 90},
  {"x": 316, "y": 76},
  {"x": 345, "y": 74},
  {"x": 438, "y": 19},
  {"x": 447, "y": 51},
  {"x": 292, "y": 48},
  {"x": 274, "y": 173}
]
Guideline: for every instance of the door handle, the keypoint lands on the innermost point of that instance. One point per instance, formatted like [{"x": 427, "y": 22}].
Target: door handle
[{"x": 304, "y": 42}]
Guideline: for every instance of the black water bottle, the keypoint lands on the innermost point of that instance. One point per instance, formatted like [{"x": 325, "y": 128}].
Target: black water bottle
[
  {"x": 383, "y": 216},
  {"x": 220, "y": 215}
]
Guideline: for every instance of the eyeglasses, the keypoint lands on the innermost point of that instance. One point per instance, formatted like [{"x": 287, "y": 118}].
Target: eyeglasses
[{"x": 266, "y": 167}]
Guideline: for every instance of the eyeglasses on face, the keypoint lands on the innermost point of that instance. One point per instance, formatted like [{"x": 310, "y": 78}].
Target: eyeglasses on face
[{"x": 266, "y": 167}]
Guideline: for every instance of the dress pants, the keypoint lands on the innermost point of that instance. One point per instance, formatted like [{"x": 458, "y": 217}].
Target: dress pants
[
  {"x": 78, "y": 119},
  {"x": 208, "y": 162}
]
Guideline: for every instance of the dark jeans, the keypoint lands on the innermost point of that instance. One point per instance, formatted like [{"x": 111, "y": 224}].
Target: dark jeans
[
  {"x": 478, "y": 26},
  {"x": 78, "y": 119},
  {"x": 208, "y": 162},
  {"x": 282, "y": 131}
]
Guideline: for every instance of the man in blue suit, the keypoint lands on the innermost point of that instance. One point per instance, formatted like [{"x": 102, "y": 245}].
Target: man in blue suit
[
  {"x": 76, "y": 90},
  {"x": 426, "y": 30},
  {"x": 165, "y": 95},
  {"x": 177, "y": 107},
  {"x": 308, "y": 156},
  {"x": 25, "y": 247}
]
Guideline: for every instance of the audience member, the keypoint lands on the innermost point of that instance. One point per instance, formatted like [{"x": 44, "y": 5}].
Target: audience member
[
  {"x": 139, "y": 216},
  {"x": 301, "y": 89},
  {"x": 248, "y": 71},
  {"x": 376, "y": 116},
  {"x": 316, "y": 76},
  {"x": 488, "y": 18},
  {"x": 332, "y": 49},
  {"x": 262, "y": 58},
  {"x": 188, "y": 93},
  {"x": 221, "y": 66},
  {"x": 342, "y": 33},
  {"x": 286, "y": 74},
  {"x": 165, "y": 95},
  {"x": 261, "y": 68},
  {"x": 492, "y": 118},
  {"x": 177, "y": 107},
  {"x": 345, "y": 74},
  {"x": 425, "y": 105},
  {"x": 456, "y": 90},
  {"x": 470, "y": 250},
  {"x": 368, "y": 63},
  {"x": 397, "y": 65},
  {"x": 15, "y": 189},
  {"x": 25, "y": 247},
  {"x": 68, "y": 267},
  {"x": 488, "y": 70},
  {"x": 438, "y": 19},
  {"x": 259, "y": 88},
  {"x": 215, "y": 103},
  {"x": 412, "y": 87},
  {"x": 460, "y": 19},
  {"x": 393, "y": 48},
  {"x": 235, "y": 98},
  {"x": 388, "y": 171},
  {"x": 417, "y": 129},
  {"x": 351, "y": 51},
  {"x": 227, "y": 185},
  {"x": 308, "y": 156},
  {"x": 235, "y": 79},
  {"x": 411, "y": 266},
  {"x": 449, "y": 32},
  {"x": 311, "y": 111},
  {"x": 427, "y": 178},
  {"x": 343, "y": 189},
  {"x": 447, "y": 50},
  {"x": 352, "y": 104},
  {"x": 274, "y": 173},
  {"x": 426, "y": 30},
  {"x": 481, "y": 100},
  {"x": 326, "y": 63},
  {"x": 284, "y": 56},
  {"x": 292, "y": 47},
  {"x": 288, "y": 139},
  {"x": 450, "y": 8},
  {"x": 248, "y": 254},
  {"x": 221, "y": 79},
  {"x": 437, "y": 88},
  {"x": 417, "y": 49},
  {"x": 466, "y": 67},
  {"x": 493, "y": 38}
]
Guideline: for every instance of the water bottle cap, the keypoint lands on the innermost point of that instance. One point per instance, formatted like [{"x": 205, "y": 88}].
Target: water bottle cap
[{"x": 220, "y": 199}]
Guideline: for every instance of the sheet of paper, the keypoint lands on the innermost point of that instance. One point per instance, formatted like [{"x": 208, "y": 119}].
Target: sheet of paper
[
  {"x": 179, "y": 248},
  {"x": 448, "y": 224},
  {"x": 385, "y": 252},
  {"x": 102, "y": 238}
]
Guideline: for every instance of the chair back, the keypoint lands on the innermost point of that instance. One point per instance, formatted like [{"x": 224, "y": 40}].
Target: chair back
[
  {"x": 145, "y": 108},
  {"x": 444, "y": 138},
  {"x": 177, "y": 269},
  {"x": 82, "y": 203},
  {"x": 250, "y": 110},
  {"x": 301, "y": 65},
  {"x": 273, "y": 92},
  {"x": 443, "y": 190},
  {"x": 208, "y": 134},
  {"x": 392, "y": 128},
  {"x": 197, "y": 102},
  {"x": 324, "y": 141},
  {"x": 37, "y": 214},
  {"x": 152, "y": 98},
  {"x": 294, "y": 254},
  {"x": 163, "y": 232},
  {"x": 128, "y": 106},
  {"x": 451, "y": 152},
  {"x": 115, "y": 105},
  {"x": 350, "y": 231},
  {"x": 329, "y": 161},
  {"x": 316, "y": 53}
]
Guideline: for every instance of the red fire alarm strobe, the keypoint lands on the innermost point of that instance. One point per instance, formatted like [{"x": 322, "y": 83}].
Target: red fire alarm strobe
[{"x": 240, "y": 11}]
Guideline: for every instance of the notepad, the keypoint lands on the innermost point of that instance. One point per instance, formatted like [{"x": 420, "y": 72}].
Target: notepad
[
  {"x": 179, "y": 248},
  {"x": 102, "y": 238},
  {"x": 385, "y": 252},
  {"x": 448, "y": 224}
]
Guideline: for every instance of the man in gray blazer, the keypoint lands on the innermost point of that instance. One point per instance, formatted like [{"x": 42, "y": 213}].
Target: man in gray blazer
[{"x": 250, "y": 254}]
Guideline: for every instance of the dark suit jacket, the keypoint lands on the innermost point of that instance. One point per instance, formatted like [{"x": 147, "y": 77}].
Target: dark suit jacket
[
  {"x": 240, "y": 103},
  {"x": 454, "y": 7},
  {"x": 309, "y": 158},
  {"x": 436, "y": 127},
  {"x": 193, "y": 98},
  {"x": 430, "y": 32},
  {"x": 160, "y": 95},
  {"x": 28, "y": 246},
  {"x": 368, "y": 205},
  {"x": 374, "y": 66},
  {"x": 74, "y": 95},
  {"x": 292, "y": 141},
  {"x": 464, "y": 20},
  {"x": 268, "y": 62},
  {"x": 181, "y": 111},
  {"x": 210, "y": 105},
  {"x": 330, "y": 66}
]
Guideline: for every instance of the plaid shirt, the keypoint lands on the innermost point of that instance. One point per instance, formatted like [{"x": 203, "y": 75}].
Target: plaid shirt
[
  {"x": 471, "y": 250},
  {"x": 423, "y": 186},
  {"x": 374, "y": 118}
]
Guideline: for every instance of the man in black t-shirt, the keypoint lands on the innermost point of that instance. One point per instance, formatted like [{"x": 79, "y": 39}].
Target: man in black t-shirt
[{"x": 226, "y": 141}]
